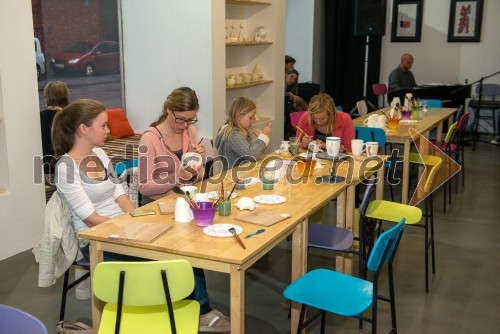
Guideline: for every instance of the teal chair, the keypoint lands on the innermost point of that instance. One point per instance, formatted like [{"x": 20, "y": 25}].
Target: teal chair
[
  {"x": 376, "y": 134},
  {"x": 331, "y": 291},
  {"x": 432, "y": 103}
]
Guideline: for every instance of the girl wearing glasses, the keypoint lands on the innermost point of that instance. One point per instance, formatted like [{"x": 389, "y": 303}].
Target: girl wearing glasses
[
  {"x": 237, "y": 141},
  {"x": 163, "y": 144}
]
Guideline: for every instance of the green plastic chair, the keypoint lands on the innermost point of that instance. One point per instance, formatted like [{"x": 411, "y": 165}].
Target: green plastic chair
[
  {"x": 144, "y": 297},
  {"x": 394, "y": 212}
]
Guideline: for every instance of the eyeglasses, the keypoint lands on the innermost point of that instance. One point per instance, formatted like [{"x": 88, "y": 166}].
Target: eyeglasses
[{"x": 182, "y": 120}]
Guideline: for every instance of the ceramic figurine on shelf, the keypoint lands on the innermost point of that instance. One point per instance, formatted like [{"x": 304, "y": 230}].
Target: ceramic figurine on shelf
[
  {"x": 241, "y": 34},
  {"x": 257, "y": 72},
  {"x": 227, "y": 35},
  {"x": 232, "y": 39},
  {"x": 261, "y": 32}
]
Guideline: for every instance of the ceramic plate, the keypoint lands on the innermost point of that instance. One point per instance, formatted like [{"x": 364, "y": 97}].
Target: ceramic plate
[
  {"x": 269, "y": 199},
  {"x": 221, "y": 230},
  {"x": 215, "y": 194}
]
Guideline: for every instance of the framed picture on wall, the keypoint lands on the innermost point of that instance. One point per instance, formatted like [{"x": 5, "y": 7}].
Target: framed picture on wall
[
  {"x": 407, "y": 20},
  {"x": 465, "y": 21}
]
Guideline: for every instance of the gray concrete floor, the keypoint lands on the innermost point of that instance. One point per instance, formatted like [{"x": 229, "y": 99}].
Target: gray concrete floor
[{"x": 464, "y": 293}]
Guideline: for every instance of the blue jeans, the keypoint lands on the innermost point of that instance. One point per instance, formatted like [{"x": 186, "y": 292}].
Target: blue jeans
[{"x": 200, "y": 286}]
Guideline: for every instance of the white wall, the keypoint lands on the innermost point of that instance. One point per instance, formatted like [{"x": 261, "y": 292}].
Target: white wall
[
  {"x": 299, "y": 40},
  {"x": 436, "y": 60},
  {"x": 22, "y": 206},
  {"x": 157, "y": 44}
]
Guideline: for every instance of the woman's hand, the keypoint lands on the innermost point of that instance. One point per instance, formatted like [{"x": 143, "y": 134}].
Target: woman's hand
[
  {"x": 306, "y": 140},
  {"x": 200, "y": 149},
  {"x": 256, "y": 131}
]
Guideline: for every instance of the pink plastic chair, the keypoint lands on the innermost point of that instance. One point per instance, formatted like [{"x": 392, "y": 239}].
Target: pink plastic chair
[
  {"x": 380, "y": 89},
  {"x": 295, "y": 118}
]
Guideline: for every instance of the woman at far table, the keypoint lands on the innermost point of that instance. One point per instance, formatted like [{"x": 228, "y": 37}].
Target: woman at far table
[{"x": 324, "y": 120}]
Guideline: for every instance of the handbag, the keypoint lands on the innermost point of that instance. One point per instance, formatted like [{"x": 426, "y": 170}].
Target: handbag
[{"x": 73, "y": 327}]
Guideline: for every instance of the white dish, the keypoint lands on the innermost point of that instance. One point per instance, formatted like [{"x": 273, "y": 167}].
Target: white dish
[
  {"x": 269, "y": 199},
  {"x": 221, "y": 230},
  {"x": 408, "y": 121},
  {"x": 215, "y": 194}
]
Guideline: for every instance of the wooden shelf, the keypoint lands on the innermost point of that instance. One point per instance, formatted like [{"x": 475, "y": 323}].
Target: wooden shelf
[
  {"x": 251, "y": 84},
  {"x": 248, "y": 44},
  {"x": 248, "y": 2}
]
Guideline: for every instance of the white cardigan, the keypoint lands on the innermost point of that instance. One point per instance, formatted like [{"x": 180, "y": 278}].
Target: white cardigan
[{"x": 59, "y": 246}]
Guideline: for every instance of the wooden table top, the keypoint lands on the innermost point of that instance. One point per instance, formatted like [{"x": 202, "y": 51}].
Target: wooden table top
[
  {"x": 433, "y": 117},
  {"x": 187, "y": 239}
]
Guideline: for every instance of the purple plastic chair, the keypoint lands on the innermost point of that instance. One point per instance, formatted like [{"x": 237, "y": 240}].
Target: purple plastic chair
[
  {"x": 380, "y": 89},
  {"x": 15, "y": 321},
  {"x": 341, "y": 239}
]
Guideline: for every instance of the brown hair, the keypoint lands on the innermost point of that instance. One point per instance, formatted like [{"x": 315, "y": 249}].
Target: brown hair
[
  {"x": 294, "y": 89},
  {"x": 56, "y": 94},
  {"x": 319, "y": 103},
  {"x": 67, "y": 121},
  {"x": 181, "y": 99},
  {"x": 239, "y": 106}
]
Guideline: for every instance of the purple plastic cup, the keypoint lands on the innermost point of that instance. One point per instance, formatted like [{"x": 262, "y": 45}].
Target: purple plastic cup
[
  {"x": 406, "y": 114},
  {"x": 204, "y": 216}
]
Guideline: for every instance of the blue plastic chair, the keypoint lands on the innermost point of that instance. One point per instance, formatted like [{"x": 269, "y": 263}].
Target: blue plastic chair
[
  {"x": 331, "y": 291},
  {"x": 15, "y": 321},
  {"x": 124, "y": 165},
  {"x": 376, "y": 134},
  {"x": 432, "y": 103}
]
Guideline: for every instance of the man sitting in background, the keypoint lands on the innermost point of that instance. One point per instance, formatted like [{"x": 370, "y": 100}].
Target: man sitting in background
[{"x": 401, "y": 76}]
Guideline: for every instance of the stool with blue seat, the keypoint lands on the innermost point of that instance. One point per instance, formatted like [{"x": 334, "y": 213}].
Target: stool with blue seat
[{"x": 13, "y": 321}]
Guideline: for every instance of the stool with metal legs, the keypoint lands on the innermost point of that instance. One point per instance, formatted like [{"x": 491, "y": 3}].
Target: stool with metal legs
[{"x": 394, "y": 212}]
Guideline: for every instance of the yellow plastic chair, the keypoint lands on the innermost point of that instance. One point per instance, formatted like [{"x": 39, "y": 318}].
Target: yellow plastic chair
[
  {"x": 394, "y": 212},
  {"x": 143, "y": 297}
]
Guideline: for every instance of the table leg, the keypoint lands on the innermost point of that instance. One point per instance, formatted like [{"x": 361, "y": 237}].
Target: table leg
[
  {"x": 340, "y": 259},
  {"x": 96, "y": 256},
  {"x": 237, "y": 286},
  {"x": 406, "y": 171},
  {"x": 347, "y": 206},
  {"x": 299, "y": 265},
  {"x": 380, "y": 185}
]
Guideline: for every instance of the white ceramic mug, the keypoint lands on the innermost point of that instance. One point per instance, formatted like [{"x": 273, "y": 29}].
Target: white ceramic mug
[
  {"x": 182, "y": 212},
  {"x": 357, "y": 146},
  {"x": 332, "y": 146},
  {"x": 371, "y": 148}
]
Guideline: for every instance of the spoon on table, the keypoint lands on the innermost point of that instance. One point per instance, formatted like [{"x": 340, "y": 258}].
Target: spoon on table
[{"x": 233, "y": 231}]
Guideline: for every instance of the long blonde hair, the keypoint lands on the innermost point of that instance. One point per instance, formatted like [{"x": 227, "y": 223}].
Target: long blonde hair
[
  {"x": 319, "y": 103},
  {"x": 239, "y": 106},
  {"x": 67, "y": 121},
  {"x": 181, "y": 99}
]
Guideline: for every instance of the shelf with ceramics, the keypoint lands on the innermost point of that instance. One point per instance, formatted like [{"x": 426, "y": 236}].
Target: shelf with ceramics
[
  {"x": 248, "y": 2},
  {"x": 248, "y": 84}
]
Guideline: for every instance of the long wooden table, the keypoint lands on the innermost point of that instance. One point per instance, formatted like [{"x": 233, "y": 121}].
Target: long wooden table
[
  {"x": 187, "y": 241},
  {"x": 434, "y": 118}
]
